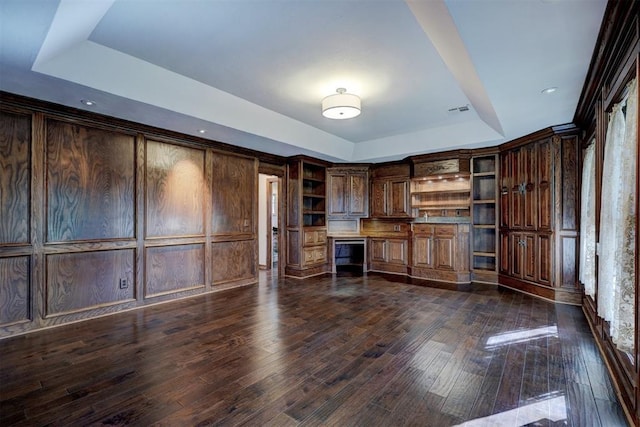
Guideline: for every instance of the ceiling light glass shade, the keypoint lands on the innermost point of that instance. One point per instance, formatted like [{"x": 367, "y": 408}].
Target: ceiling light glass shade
[{"x": 341, "y": 105}]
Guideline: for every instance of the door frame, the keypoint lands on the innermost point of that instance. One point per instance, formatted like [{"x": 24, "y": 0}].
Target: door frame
[{"x": 269, "y": 229}]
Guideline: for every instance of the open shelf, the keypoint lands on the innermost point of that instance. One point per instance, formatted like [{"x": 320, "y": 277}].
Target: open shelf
[{"x": 484, "y": 212}]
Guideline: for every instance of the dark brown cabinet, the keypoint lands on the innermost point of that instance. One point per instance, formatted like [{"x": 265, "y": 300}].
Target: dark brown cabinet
[
  {"x": 440, "y": 252},
  {"x": 389, "y": 251},
  {"x": 388, "y": 244},
  {"x": 521, "y": 170},
  {"x": 306, "y": 217},
  {"x": 348, "y": 192},
  {"x": 390, "y": 191},
  {"x": 538, "y": 220}
]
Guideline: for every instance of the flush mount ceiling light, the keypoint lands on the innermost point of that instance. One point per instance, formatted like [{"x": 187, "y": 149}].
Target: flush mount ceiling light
[
  {"x": 342, "y": 105},
  {"x": 88, "y": 102},
  {"x": 549, "y": 90}
]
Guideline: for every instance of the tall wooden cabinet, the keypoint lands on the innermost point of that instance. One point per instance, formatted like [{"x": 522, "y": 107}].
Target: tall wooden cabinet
[
  {"x": 538, "y": 214},
  {"x": 306, "y": 217}
]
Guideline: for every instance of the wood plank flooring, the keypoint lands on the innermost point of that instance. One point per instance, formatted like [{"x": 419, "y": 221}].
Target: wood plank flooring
[{"x": 343, "y": 351}]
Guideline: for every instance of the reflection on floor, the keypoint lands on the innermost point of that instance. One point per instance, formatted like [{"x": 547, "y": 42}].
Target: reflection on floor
[{"x": 335, "y": 351}]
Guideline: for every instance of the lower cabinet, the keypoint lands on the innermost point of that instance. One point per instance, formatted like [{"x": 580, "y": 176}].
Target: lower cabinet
[
  {"x": 314, "y": 249},
  {"x": 389, "y": 254},
  {"x": 527, "y": 256},
  {"x": 432, "y": 251},
  {"x": 441, "y": 252}
]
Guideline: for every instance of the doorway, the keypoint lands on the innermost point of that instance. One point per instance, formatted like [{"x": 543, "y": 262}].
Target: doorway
[{"x": 268, "y": 223}]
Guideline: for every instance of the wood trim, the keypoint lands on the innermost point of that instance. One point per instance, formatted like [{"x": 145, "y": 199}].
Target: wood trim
[
  {"x": 556, "y": 295},
  {"x": 74, "y": 115},
  {"x": 620, "y": 17}
]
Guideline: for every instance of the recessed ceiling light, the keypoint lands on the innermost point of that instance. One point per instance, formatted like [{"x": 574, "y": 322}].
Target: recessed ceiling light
[
  {"x": 88, "y": 102},
  {"x": 202, "y": 131},
  {"x": 549, "y": 90}
]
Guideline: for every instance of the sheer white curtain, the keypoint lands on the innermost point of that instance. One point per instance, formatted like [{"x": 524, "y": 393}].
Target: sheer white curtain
[
  {"x": 616, "y": 274},
  {"x": 588, "y": 222}
]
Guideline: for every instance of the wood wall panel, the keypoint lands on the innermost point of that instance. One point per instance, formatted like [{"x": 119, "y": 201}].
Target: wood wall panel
[
  {"x": 569, "y": 152},
  {"x": 233, "y": 194},
  {"x": 233, "y": 261},
  {"x": 569, "y": 248},
  {"x": 173, "y": 268},
  {"x": 85, "y": 280},
  {"x": 15, "y": 174},
  {"x": 90, "y": 184},
  {"x": 15, "y": 290},
  {"x": 293, "y": 239},
  {"x": 174, "y": 181}
]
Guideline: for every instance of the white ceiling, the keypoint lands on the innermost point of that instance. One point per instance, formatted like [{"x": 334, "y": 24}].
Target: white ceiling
[{"x": 252, "y": 73}]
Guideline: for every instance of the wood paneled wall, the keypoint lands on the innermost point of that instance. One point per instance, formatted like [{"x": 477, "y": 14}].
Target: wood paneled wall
[
  {"x": 96, "y": 217},
  {"x": 616, "y": 60}
]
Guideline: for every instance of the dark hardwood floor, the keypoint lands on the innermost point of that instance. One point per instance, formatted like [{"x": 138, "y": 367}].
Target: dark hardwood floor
[{"x": 325, "y": 351}]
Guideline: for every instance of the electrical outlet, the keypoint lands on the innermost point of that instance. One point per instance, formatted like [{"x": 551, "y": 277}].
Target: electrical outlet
[{"x": 124, "y": 283}]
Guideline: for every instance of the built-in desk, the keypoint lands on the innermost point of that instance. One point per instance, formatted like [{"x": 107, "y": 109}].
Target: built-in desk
[{"x": 348, "y": 251}]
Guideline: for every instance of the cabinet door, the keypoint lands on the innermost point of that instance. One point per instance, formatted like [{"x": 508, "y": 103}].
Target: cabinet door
[
  {"x": 358, "y": 191},
  {"x": 378, "y": 250},
  {"x": 444, "y": 253},
  {"x": 399, "y": 200},
  {"x": 544, "y": 258},
  {"x": 516, "y": 198},
  {"x": 529, "y": 257},
  {"x": 505, "y": 188},
  {"x": 338, "y": 194},
  {"x": 378, "y": 198},
  {"x": 397, "y": 251},
  {"x": 530, "y": 204},
  {"x": 320, "y": 254},
  {"x": 314, "y": 255},
  {"x": 505, "y": 253},
  {"x": 309, "y": 237},
  {"x": 515, "y": 249},
  {"x": 423, "y": 251},
  {"x": 544, "y": 184},
  {"x": 308, "y": 255}
]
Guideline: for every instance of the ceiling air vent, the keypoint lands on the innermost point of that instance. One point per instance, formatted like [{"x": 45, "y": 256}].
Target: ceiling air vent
[{"x": 461, "y": 109}]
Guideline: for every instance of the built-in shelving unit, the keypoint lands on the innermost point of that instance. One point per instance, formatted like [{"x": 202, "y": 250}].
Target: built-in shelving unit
[
  {"x": 483, "y": 213},
  {"x": 306, "y": 217},
  {"x": 313, "y": 195},
  {"x": 434, "y": 196}
]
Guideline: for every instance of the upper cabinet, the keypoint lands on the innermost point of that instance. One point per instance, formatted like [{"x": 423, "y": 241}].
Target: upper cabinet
[
  {"x": 390, "y": 191},
  {"x": 348, "y": 192}
]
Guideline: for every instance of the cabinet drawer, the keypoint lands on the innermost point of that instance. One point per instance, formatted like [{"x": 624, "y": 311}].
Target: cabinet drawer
[
  {"x": 315, "y": 237},
  {"x": 445, "y": 230},
  {"x": 315, "y": 255}
]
